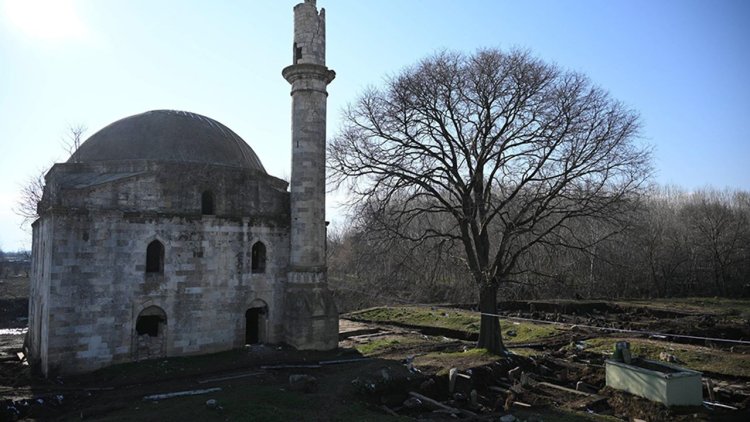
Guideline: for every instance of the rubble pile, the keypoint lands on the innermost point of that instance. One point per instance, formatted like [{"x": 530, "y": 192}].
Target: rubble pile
[{"x": 515, "y": 387}]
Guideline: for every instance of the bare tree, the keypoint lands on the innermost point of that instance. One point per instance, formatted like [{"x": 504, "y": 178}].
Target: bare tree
[
  {"x": 29, "y": 197},
  {"x": 719, "y": 231},
  {"x": 496, "y": 152},
  {"x": 32, "y": 191},
  {"x": 73, "y": 139}
]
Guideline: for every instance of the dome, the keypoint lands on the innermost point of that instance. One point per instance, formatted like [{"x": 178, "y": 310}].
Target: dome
[{"x": 168, "y": 135}]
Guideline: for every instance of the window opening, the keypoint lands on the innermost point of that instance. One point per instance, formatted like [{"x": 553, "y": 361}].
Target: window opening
[
  {"x": 297, "y": 53},
  {"x": 155, "y": 257},
  {"x": 207, "y": 203},
  {"x": 258, "y": 258}
]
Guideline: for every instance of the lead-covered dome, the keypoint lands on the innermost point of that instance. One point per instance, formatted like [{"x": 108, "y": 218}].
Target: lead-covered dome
[{"x": 168, "y": 135}]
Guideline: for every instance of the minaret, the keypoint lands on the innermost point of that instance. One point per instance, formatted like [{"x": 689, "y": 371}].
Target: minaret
[{"x": 311, "y": 320}]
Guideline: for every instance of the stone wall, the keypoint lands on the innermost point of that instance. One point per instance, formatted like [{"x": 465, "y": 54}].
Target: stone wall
[
  {"x": 95, "y": 283},
  {"x": 309, "y": 34},
  {"x": 163, "y": 187}
]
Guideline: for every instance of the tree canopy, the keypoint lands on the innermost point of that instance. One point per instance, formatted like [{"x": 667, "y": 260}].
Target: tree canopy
[{"x": 498, "y": 152}]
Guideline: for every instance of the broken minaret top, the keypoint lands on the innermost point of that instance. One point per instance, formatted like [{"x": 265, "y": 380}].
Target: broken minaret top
[{"x": 309, "y": 34}]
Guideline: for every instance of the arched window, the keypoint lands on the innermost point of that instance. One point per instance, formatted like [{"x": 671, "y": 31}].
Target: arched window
[
  {"x": 258, "y": 264},
  {"x": 155, "y": 258},
  {"x": 207, "y": 203}
]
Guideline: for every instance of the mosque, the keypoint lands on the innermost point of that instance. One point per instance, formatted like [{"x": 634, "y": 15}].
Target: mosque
[{"x": 163, "y": 235}]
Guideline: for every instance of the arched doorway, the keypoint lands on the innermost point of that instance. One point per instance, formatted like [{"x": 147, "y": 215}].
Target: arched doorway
[
  {"x": 255, "y": 322},
  {"x": 151, "y": 333}
]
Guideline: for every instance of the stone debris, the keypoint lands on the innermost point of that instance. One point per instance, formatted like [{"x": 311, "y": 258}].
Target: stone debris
[
  {"x": 668, "y": 357},
  {"x": 412, "y": 402},
  {"x": 303, "y": 382},
  {"x": 515, "y": 373}
]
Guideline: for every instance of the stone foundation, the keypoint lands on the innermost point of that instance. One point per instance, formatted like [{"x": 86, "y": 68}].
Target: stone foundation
[{"x": 311, "y": 319}]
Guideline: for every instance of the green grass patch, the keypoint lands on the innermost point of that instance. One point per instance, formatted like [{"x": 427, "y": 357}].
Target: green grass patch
[
  {"x": 693, "y": 357},
  {"x": 443, "y": 361},
  {"x": 422, "y": 316},
  {"x": 454, "y": 319},
  {"x": 526, "y": 332},
  {"x": 383, "y": 345}
]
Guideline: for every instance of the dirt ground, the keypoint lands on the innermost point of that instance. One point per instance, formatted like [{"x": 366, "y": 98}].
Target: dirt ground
[{"x": 381, "y": 371}]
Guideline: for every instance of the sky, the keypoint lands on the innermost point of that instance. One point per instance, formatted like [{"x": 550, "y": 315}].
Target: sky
[{"x": 683, "y": 64}]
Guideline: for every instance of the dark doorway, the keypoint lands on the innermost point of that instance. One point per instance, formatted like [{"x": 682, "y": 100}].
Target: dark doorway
[
  {"x": 148, "y": 324},
  {"x": 150, "y": 334},
  {"x": 252, "y": 325}
]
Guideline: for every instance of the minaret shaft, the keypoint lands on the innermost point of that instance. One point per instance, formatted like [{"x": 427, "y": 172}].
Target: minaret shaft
[
  {"x": 311, "y": 319},
  {"x": 309, "y": 77}
]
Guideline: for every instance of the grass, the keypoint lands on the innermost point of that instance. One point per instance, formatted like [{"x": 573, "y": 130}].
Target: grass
[
  {"x": 527, "y": 332},
  {"x": 383, "y": 345},
  {"x": 715, "y": 305},
  {"x": 693, "y": 357},
  {"x": 252, "y": 403},
  {"x": 423, "y": 316},
  {"x": 454, "y": 319},
  {"x": 462, "y": 360}
]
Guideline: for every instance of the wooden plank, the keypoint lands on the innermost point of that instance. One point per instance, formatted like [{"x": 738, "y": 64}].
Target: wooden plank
[
  {"x": 389, "y": 411},
  {"x": 230, "y": 377},
  {"x": 498, "y": 389},
  {"x": 710, "y": 388},
  {"x": 521, "y": 404},
  {"x": 723, "y": 406},
  {"x": 181, "y": 394},
  {"x": 565, "y": 363},
  {"x": 340, "y": 361},
  {"x": 433, "y": 403},
  {"x": 566, "y": 389},
  {"x": 438, "y": 405},
  {"x": 290, "y": 366}
]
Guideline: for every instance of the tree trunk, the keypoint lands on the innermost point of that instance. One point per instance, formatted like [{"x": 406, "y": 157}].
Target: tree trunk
[{"x": 490, "y": 337}]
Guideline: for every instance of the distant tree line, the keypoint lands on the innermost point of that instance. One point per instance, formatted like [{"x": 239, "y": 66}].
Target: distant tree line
[
  {"x": 676, "y": 243},
  {"x": 15, "y": 264}
]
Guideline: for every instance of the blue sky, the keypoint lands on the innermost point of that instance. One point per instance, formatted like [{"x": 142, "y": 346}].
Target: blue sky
[{"x": 684, "y": 65}]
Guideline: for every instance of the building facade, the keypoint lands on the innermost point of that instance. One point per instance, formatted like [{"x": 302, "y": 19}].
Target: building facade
[{"x": 163, "y": 235}]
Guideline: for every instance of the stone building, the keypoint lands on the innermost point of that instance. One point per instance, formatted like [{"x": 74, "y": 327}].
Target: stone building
[{"x": 163, "y": 235}]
